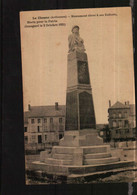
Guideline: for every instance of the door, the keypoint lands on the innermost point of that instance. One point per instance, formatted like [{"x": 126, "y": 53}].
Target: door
[{"x": 39, "y": 139}]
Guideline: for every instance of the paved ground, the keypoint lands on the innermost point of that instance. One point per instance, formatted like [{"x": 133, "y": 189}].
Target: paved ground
[
  {"x": 127, "y": 176},
  {"x": 124, "y": 177}
]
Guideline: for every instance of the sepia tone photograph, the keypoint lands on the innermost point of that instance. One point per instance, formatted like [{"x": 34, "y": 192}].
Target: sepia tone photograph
[{"x": 78, "y": 96}]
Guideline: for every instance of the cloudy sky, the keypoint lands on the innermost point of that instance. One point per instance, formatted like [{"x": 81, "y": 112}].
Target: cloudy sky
[{"x": 107, "y": 38}]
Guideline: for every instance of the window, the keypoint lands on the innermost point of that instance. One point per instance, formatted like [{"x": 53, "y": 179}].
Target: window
[
  {"x": 60, "y": 136},
  {"x": 25, "y": 129},
  {"x": 116, "y": 131},
  {"x": 51, "y": 120},
  {"x": 33, "y": 138},
  {"x": 114, "y": 124},
  {"x": 127, "y": 130},
  {"x": 45, "y": 120},
  {"x": 39, "y": 139},
  {"x": 114, "y": 115},
  {"x": 126, "y": 123},
  {"x": 119, "y": 115},
  {"x": 39, "y": 120},
  {"x": 120, "y": 123},
  {"x": 38, "y": 128},
  {"x": 45, "y": 137},
  {"x": 60, "y": 120},
  {"x": 32, "y": 121}
]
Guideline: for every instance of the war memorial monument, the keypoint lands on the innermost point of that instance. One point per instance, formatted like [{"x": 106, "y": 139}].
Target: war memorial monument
[{"x": 81, "y": 152}]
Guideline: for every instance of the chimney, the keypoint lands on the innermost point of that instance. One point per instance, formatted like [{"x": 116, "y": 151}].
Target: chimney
[
  {"x": 56, "y": 105},
  {"x": 125, "y": 103},
  {"x": 29, "y": 107},
  {"x": 109, "y": 103}
]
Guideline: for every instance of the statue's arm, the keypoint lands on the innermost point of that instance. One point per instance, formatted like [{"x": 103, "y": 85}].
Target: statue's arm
[{"x": 70, "y": 41}]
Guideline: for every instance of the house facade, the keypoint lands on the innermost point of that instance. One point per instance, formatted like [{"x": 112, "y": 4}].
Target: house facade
[
  {"x": 122, "y": 120},
  {"x": 43, "y": 126}
]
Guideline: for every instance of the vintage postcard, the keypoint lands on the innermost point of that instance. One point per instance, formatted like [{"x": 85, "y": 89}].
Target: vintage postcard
[{"x": 79, "y": 96}]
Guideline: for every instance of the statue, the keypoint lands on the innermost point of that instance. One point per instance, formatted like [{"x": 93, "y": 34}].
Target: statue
[{"x": 76, "y": 43}]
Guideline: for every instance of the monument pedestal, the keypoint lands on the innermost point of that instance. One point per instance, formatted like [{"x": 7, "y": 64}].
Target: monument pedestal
[
  {"x": 79, "y": 148},
  {"x": 77, "y": 138},
  {"x": 79, "y": 154}
]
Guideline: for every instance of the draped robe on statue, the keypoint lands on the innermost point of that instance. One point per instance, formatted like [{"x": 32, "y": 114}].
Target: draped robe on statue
[{"x": 76, "y": 43}]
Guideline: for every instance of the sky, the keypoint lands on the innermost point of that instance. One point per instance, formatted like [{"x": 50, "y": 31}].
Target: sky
[{"x": 107, "y": 35}]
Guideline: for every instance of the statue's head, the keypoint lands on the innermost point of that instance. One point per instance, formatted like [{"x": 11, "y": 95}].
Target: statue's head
[{"x": 75, "y": 30}]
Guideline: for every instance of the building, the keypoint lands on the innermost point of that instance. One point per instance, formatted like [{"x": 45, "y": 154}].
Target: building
[
  {"x": 43, "y": 126},
  {"x": 122, "y": 120}
]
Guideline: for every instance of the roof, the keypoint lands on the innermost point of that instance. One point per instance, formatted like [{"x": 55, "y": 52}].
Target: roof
[
  {"x": 119, "y": 105},
  {"x": 45, "y": 111},
  {"x": 26, "y": 117}
]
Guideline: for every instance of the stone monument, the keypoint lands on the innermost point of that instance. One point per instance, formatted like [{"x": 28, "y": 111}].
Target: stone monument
[
  {"x": 81, "y": 151},
  {"x": 79, "y": 102}
]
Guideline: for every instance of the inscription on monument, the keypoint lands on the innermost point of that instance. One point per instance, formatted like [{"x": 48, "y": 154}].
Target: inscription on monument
[{"x": 83, "y": 75}]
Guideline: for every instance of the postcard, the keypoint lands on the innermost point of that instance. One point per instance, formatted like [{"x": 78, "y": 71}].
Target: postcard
[{"x": 79, "y": 96}]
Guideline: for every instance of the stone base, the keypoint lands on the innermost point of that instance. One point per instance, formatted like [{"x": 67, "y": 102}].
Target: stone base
[
  {"x": 81, "y": 138},
  {"x": 80, "y": 171},
  {"x": 79, "y": 152}
]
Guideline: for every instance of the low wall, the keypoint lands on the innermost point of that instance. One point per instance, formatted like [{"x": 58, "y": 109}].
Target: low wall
[{"x": 124, "y": 144}]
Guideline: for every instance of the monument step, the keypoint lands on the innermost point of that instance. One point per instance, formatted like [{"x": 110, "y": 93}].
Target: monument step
[
  {"x": 84, "y": 169},
  {"x": 97, "y": 155},
  {"x": 96, "y": 149},
  {"x": 101, "y": 167},
  {"x": 63, "y": 156},
  {"x": 62, "y": 150},
  {"x": 48, "y": 168},
  {"x": 86, "y": 149},
  {"x": 52, "y": 161},
  {"x": 101, "y": 161}
]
